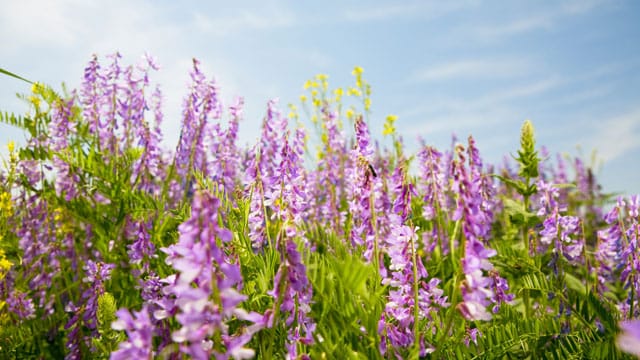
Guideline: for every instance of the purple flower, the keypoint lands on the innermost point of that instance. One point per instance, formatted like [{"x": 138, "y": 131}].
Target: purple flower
[
  {"x": 139, "y": 328},
  {"x": 200, "y": 259},
  {"x": 398, "y": 318},
  {"x": 477, "y": 289},
  {"x": 471, "y": 335},
  {"x": 561, "y": 233},
  {"x": 60, "y": 128},
  {"x": 41, "y": 256},
  {"x": 96, "y": 273},
  {"x": 327, "y": 182},
  {"x": 256, "y": 221},
  {"x": 363, "y": 139},
  {"x": 629, "y": 339},
  {"x": 292, "y": 289},
  {"x": 141, "y": 248},
  {"x": 431, "y": 181},
  {"x": 200, "y": 105},
  {"x": 21, "y": 305},
  {"x": 85, "y": 315}
]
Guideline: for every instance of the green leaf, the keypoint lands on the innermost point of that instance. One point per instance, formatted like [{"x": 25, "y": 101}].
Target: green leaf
[{"x": 8, "y": 73}]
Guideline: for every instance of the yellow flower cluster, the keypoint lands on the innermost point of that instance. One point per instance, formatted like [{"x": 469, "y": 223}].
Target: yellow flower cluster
[
  {"x": 5, "y": 264},
  {"x": 389, "y": 128},
  {"x": 6, "y": 209},
  {"x": 317, "y": 95},
  {"x": 37, "y": 90},
  {"x": 13, "y": 156}
]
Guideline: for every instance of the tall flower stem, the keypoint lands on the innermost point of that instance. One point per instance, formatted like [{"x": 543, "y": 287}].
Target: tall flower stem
[
  {"x": 525, "y": 239},
  {"x": 416, "y": 296},
  {"x": 374, "y": 225}
]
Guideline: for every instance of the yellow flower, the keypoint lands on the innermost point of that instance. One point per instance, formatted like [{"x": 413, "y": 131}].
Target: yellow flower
[
  {"x": 303, "y": 98},
  {"x": 5, "y": 264},
  {"x": 349, "y": 113},
  {"x": 354, "y": 92},
  {"x": 5, "y": 203},
  {"x": 367, "y": 104},
  {"x": 389, "y": 129},
  {"x": 357, "y": 71},
  {"x": 37, "y": 88},
  {"x": 307, "y": 84},
  {"x": 11, "y": 146}
]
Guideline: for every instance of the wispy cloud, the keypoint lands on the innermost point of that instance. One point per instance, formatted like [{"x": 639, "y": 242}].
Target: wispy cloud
[
  {"x": 244, "y": 20},
  {"x": 544, "y": 20},
  {"x": 492, "y": 100},
  {"x": 38, "y": 22},
  {"x": 416, "y": 9},
  {"x": 473, "y": 69},
  {"x": 615, "y": 136}
]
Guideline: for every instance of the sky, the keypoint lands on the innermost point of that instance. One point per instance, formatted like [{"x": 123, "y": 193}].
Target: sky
[{"x": 466, "y": 67}]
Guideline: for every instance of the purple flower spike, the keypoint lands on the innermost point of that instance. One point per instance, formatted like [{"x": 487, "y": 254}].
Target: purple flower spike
[
  {"x": 139, "y": 330},
  {"x": 629, "y": 339},
  {"x": 20, "y": 305},
  {"x": 203, "y": 310},
  {"x": 474, "y": 210}
]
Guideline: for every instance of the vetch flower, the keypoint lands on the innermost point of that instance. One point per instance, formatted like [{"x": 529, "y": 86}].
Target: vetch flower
[
  {"x": 478, "y": 291},
  {"x": 629, "y": 339},
  {"x": 203, "y": 311},
  {"x": 139, "y": 329}
]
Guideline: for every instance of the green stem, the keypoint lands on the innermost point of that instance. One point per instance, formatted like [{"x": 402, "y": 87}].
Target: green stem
[
  {"x": 527, "y": 247},
  {"x": 452, "y": 246}
]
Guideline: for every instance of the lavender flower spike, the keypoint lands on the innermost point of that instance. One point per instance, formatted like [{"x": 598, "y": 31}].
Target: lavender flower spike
[
  {"x": 629, "y": 339},
  {"x": 139, "y": 328}
]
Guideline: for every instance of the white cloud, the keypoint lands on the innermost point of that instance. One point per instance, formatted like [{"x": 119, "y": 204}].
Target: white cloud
[
  {"x": 615, "y": 136},
  {"x": 544, "y": 20},
  {"x": 244, "y": 20},
  {"x": 475, "y": 68},
  {"x": 38, "y": 22},
  {"x": 420, "y": 9},
  {"x": 475, "y": 104}
]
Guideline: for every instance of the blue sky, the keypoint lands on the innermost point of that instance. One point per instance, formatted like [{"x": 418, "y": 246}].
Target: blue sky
[{"x": 469, "y": 67}]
